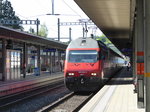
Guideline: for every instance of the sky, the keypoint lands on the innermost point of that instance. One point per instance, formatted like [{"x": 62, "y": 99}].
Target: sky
[{"x": 68, "y": 10}]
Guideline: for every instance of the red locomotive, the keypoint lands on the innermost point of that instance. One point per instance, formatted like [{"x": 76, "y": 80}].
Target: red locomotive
[{"x": 89, "y": 63}]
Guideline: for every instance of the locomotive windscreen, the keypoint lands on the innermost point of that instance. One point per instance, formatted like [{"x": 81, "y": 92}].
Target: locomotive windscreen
[{"x": 83, "y": 56}]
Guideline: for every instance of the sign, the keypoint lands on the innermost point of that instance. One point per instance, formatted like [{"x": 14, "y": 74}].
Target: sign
[
  {"x": 140, "y": 68},
  {"x": 15, "y": 22},
  {"x": 49, "y": 50}
]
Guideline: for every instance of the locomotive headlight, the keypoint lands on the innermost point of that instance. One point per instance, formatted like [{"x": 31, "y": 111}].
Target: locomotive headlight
[
  {"x": 70, "y": 73},
  {"x": 94, "y": 74}
]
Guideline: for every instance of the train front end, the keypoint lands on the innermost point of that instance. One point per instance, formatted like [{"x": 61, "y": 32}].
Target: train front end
[{"x": 82, "y": 69}]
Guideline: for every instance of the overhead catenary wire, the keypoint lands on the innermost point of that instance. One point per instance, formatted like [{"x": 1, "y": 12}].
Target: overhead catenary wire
[{"x": 72, "y": 9}]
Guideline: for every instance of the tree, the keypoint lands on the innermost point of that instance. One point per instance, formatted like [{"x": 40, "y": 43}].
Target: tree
[
  {"x": 43, "y": 31},
  {"x": 7, "y": 13}
]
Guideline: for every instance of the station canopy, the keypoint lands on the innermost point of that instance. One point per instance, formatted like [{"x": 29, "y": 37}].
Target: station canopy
[{"x": 114, "y": 18}]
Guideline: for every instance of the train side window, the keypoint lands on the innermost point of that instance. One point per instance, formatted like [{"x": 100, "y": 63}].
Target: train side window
[
  {"x": 101, "y": 56},
  {"x": 98, "y": 56}
]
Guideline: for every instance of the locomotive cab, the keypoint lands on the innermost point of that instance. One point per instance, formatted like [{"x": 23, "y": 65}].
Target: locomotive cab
[
  {"x": 89, "y": 63},
  {"x": 82, "y": 67}
]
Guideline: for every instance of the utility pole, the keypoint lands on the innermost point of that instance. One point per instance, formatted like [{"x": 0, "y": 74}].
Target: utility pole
[
  {"x": 52, "y": 7},
  {"x": 37, "y": 26},
  {"x": 70, "y": 34},
  {"x": 58, "y": 29}
]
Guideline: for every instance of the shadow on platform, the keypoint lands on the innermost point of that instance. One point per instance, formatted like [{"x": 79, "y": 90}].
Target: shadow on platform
[{"x": 122, "y": 77}]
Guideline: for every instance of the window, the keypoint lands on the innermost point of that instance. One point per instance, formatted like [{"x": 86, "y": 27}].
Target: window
[{"x": 83, "y": 56}]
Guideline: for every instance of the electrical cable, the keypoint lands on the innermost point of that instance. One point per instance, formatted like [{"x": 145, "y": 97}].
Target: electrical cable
[{"x": 72, "y": 9}]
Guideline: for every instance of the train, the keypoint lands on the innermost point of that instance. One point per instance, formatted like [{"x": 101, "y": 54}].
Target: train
[{"x": 89, "y": 63}]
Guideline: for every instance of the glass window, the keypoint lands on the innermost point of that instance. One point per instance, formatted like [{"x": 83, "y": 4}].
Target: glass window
[{"x": 87, "y": 56}]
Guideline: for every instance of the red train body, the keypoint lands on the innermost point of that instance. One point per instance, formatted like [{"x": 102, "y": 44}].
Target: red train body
[{"x": 89, "y": 64}]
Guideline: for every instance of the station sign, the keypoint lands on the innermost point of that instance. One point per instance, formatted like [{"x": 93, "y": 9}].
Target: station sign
[
  {"x": 62, "y": 51},
  {"x": 49, "y": 50},
  {"x": 34, "y": 51},
  {"x": 25, "y": 22},
  {"x": 126, "y": 50}
]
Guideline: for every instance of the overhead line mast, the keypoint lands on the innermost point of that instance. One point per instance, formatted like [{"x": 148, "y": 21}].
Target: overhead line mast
[{"x": 83, "y": 22}]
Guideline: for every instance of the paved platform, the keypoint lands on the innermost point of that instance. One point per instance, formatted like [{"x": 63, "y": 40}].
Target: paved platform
[
  {"x": 12, "y": 86},
  {"x": 116, "y": 96},
  {"x": 32, "y": 77}
]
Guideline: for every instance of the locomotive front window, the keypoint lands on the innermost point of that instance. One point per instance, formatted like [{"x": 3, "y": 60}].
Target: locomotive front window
[{"x": 87, "y": 56}]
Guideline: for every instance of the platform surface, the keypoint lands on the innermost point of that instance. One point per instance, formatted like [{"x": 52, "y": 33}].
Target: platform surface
[
  {"x": 123, "y": 100},
  {"x": 116, "y": 97},
  {"x": 28, "y": 80},
  {"x": 32, "y": 77}
]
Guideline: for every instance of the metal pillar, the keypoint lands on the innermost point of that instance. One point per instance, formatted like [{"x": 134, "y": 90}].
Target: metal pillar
[
  {"x": 134, "y": 58},
  {"x": 46, "y": 60},
  {"x": 147, "y": 53},
  {"x": 83, "y": 32},
  {"x": 52, "y": 7},
  {"x": 140, "y": 53},
  {"x": 38, "y": 59},
  {"x": 37, "y": 26},
  {"x": 3, "y": 59},
  {"x": 25, "y": 59},
  {"x": 59, "y": 60},
  {"x": 58, "y": 29},
  {"x": 50, "y": 62},
  {"x": 54, "y": 64},
  {"x": 69, "y": 34}
]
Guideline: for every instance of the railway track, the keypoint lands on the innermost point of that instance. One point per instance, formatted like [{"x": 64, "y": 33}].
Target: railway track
[
  {"x": 70, "y": 103},
  {"x": 8, "y": 100},
  {"x": 73, "y": 102}
]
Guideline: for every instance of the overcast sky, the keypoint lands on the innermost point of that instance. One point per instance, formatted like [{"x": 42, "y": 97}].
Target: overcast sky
[{"x": 68, "y": 10}]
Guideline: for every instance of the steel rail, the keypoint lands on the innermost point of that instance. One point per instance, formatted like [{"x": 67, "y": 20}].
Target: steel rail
[
  {"x": 62, "y": 100},
  {"x": 9, "y": 92},
  {"x": 15, "y": 98},
  {"x": 55, "y": 104}
]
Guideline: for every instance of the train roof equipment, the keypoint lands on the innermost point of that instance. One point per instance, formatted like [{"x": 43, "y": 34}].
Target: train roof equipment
[
  {"x": 89, "y": 42},
  {"x": 83, "y": 43}
]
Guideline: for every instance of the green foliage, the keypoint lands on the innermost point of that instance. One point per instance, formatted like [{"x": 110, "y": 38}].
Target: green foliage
[
  {"x": 7, "y": 13},
  {"x": 43, "y": 31}
]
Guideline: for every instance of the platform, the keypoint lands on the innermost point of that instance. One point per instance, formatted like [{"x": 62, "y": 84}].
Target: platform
[
  {"x": 116, "y": 96},
  {"x": 23, "y": 83},
  {"x": 32, "y": 77}
]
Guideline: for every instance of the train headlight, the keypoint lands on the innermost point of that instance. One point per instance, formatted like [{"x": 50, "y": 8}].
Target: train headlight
[
  {"x": 94, "y": 74},
  {"x": 70, "y": 73}
]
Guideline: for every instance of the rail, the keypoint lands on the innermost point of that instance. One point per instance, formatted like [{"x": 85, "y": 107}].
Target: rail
[{"x": 11, "y": 99}]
